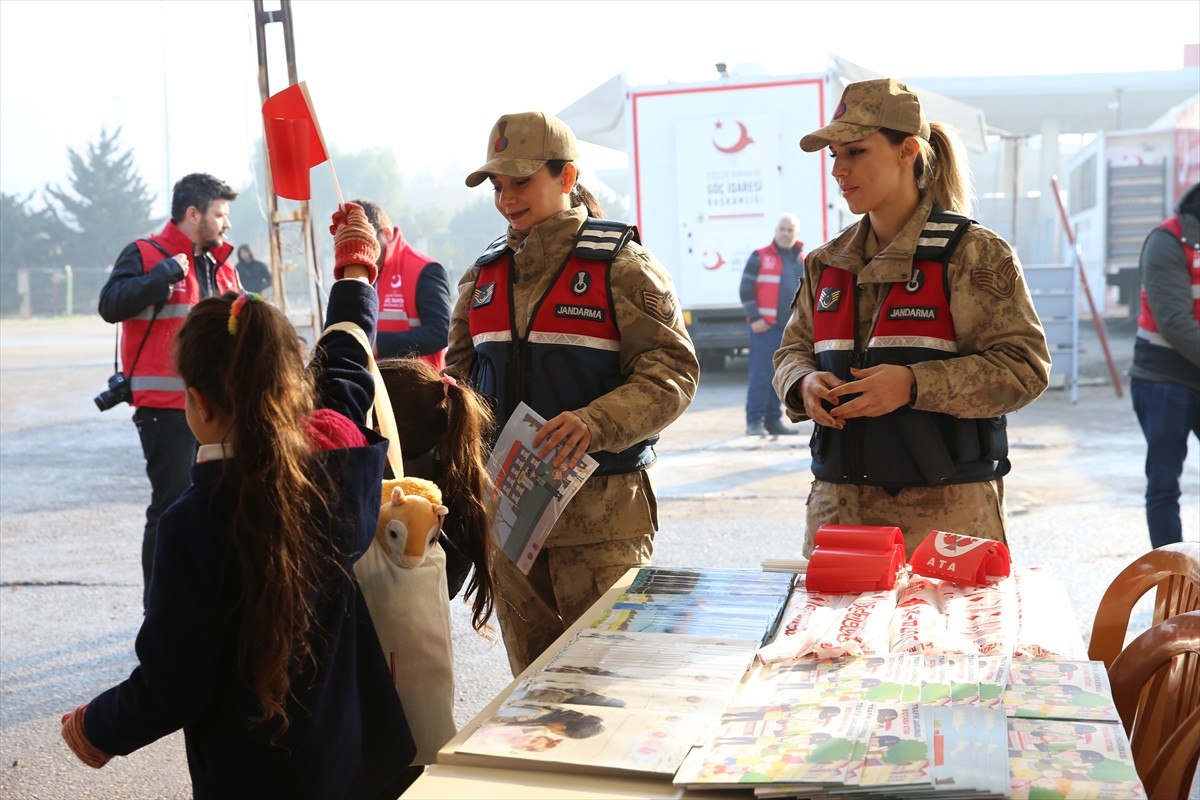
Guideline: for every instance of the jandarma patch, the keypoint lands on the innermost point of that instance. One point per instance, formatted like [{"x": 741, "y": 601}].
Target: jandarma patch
[
  {"x": 829, "y": 299},
  {"x": 482, "y": 295},
  {"x": 912, "y": 312},
  {"x": 661, "y": 306},
  {"x": 1000, "y": 281},
  {"x": 579, "y": 312}
]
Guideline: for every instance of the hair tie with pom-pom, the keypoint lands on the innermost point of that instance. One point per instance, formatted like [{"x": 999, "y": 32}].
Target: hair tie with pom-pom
[{"x": 236, "y": 308}]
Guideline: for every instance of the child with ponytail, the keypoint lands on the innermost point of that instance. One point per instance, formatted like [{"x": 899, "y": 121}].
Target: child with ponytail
[
  {"x": 256, "y": 640},
  {"x": 444, "y": 429}
]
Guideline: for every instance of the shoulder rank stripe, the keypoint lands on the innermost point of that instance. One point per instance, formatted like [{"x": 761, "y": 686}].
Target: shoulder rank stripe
[
  {"x": 493, "y": 251},
  {"x": 941, "y": 233},
  {"x": 602, "y": 239}
]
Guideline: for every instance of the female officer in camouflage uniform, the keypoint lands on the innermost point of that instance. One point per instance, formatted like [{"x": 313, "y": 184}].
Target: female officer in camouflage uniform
[
  {"x": 912, "y": 335},
  {"x": 568, "y": 313}
]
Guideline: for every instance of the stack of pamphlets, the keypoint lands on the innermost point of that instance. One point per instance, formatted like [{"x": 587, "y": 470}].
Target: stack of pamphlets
[
  {"x": 731, "y": 603},
  {"x": 637, "y": 698}
]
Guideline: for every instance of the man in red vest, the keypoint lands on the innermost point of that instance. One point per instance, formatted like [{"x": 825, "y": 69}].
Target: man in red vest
[
  {"x": 414, "y": 296},
  {"x": 1165, "y": 374},
  {"x": 769, "y": 283},
  {"x": 150, "y": 291}
]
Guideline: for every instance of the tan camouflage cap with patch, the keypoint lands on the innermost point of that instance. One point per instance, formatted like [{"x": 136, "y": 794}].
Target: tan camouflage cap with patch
[
  {"x": 866, "y": 107},
  {"x": 520, "y": 144}
]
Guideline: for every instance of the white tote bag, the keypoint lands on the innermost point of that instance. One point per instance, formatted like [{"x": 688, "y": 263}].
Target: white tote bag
[{"x": 410, "y": 609}]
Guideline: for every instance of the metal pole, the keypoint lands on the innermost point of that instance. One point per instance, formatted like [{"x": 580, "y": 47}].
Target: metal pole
[{"x": 1087, "y": 292}]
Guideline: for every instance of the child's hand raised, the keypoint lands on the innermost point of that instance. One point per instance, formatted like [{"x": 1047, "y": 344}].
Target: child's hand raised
[{"x": 354, "y": 242}]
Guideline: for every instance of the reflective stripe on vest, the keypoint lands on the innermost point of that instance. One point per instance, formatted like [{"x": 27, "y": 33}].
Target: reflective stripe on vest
[
  {"x": 1147, "y": 325},
  {"x": 397, "y": 285},
  {"x": 571, "y": 354},
  {"x": 766, "y": 284},
  {"x": 155, "y": 382},
  {"x": 905, "y": 447}
]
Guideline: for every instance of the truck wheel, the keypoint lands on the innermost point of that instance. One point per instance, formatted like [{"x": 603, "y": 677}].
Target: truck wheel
[{"x": 712, "y": 360}]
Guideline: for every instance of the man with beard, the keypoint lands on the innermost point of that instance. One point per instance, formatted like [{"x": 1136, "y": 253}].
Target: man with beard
[{"x": 152, "y": 287}]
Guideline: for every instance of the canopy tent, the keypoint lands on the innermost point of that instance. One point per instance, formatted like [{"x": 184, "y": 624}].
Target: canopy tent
[{"x": 599, "y": 116}]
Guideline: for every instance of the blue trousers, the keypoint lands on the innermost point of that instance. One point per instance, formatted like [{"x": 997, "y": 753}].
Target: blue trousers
[
  {"x": 1167, "y": 412},
  {"x": 761, "y": 401},
  {"x": 170, "y": 451}
]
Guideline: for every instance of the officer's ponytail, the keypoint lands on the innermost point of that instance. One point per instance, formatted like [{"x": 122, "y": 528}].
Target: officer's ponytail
[
  {"x": 941, "y": 168},
  {"x": 580, "y": 196}
]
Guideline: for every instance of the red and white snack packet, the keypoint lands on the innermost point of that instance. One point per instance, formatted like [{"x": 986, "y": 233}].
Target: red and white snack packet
[
  {"x": 860, "y": 628},
  {"x": 1046, "y": 627},
  {"x": 917, "y": 624},
  {"x": 806, "y": 617},
  {"x": 980, "y": 619}
]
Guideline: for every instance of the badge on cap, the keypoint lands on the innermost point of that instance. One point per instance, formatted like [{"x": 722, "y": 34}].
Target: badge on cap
[
  {"x": 502, "y": 142},
  {"x": 841, "y": 110}
]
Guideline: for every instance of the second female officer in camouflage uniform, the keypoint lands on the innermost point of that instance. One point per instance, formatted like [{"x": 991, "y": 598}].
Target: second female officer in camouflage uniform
[
  {"x": 568, "y": 313},
  {"x": 913, "y": 334}
]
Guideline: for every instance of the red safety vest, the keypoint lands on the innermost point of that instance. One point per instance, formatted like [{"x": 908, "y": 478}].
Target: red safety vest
[
  {"x": 766, "y": 285},
  {"x": 397, "y": 287},
  {"x": 1147, "y": 327},
  {"x": 155, "y": 381}
]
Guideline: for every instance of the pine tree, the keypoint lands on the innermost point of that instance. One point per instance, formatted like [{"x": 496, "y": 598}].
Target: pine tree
[{"x": 110, "y": 206}]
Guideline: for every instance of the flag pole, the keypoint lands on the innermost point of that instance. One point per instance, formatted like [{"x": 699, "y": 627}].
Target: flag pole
[{"x": 337, "y": 187}]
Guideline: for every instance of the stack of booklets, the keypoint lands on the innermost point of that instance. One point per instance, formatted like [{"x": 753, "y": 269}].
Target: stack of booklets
[
  {"x": 903, "y": 726},
  {"x": 634, "y": 698},
  {"x": 729, "y": 603}
]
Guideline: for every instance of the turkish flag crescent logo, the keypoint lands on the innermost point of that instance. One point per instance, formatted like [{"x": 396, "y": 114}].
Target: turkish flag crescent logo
[{"x": 294, "y": 141}]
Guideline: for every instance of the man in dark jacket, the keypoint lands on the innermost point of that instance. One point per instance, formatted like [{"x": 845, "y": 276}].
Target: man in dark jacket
[
  {"x": 769, "y": 282},
  {"x": 1165, "y": 385},
  {"x": 151, "y": 289}
]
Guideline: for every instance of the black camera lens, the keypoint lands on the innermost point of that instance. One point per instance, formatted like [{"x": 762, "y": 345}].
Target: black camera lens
[{"x": 117, "y": 392}]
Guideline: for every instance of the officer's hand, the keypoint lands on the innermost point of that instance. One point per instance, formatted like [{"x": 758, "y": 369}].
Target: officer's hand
[
  {"x": 881, "y": 389},
  {"x": 568, "y": 430},
  {"x": 182, "y": 260},
  {"x": 760, "y": 326},
  {"x": 816, "y": 389}
]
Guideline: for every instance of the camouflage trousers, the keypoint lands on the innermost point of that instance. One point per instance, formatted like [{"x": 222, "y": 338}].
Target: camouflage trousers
[
  {"x": 974, "y": 509},
  {"x": 580, "y": 561}
]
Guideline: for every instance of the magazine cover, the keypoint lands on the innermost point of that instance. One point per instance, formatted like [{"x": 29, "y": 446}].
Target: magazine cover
[
  {"x": 530, "y": 493},
  {"x": 669, "y": 659},
  {"x": 565, "y": 737},
  {"x": 782, "y": 745},
  {"x": 1059, "y": 690},
  {"x": 1053, "y": 758}
]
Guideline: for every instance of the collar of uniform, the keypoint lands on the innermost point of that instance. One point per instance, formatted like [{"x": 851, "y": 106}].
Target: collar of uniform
[
  {"x": 549, "y": 236},
  {"x": 894, "y": 262},
  {"x": 213, "y": 452}
]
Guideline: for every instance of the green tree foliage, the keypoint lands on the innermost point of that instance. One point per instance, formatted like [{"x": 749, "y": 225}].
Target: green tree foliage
[
  {"x": 28, "y": 238},
  {"x": 110, "y": 206}
]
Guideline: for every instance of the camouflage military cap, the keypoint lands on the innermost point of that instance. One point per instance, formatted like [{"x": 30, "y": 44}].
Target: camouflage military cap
[
  {"x": 866, "y": 107},
  {"x": 520, "y": 144}
]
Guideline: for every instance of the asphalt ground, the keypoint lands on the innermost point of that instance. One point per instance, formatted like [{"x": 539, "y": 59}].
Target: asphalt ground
[{"x": 73, "y": 493}]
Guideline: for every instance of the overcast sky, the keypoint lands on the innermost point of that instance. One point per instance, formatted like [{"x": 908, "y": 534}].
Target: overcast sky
[{"x": 427, "y": 79}]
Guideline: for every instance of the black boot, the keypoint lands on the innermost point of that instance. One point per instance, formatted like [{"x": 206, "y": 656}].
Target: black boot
[{"x": 776, "y": 428}]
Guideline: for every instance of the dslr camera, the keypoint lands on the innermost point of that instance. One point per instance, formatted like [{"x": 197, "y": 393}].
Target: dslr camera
[{"x": 118, "y": 391}]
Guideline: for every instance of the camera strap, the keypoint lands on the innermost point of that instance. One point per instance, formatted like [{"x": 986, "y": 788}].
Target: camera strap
[{"x": 150, "y": 327}]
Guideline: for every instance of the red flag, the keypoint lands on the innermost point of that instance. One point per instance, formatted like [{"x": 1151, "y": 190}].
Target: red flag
[{"x": 294, "y": 141}]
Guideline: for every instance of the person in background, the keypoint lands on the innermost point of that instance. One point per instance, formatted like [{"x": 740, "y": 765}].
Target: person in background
[
  {"x": 257, "y": 641},
  {"x": 567, "y": 313},
  {"x": 151, "y": 289},
  {"x": 913, "y": 334},
  {"x": 1165, "y": 374},
  {"x": 254, "y": 274},
  {"x": 769, "y": 281},
  {"x": 414, "y": 296}
]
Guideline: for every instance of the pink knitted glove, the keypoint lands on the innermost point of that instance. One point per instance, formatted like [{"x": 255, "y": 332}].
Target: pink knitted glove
[
  {"x": 76, "y": 738},
  {"x": 354, "y": 241}
]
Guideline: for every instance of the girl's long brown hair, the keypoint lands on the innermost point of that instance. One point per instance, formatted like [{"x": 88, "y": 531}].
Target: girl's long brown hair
[
  {"x": 457, "y": 424},
  {"x": 256, "y": 378}
]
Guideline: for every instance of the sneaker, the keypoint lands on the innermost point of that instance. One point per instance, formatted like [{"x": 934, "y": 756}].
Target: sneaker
[
  {"x": 756, "y": 428},
  {"x": 777, "y": 428}
]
